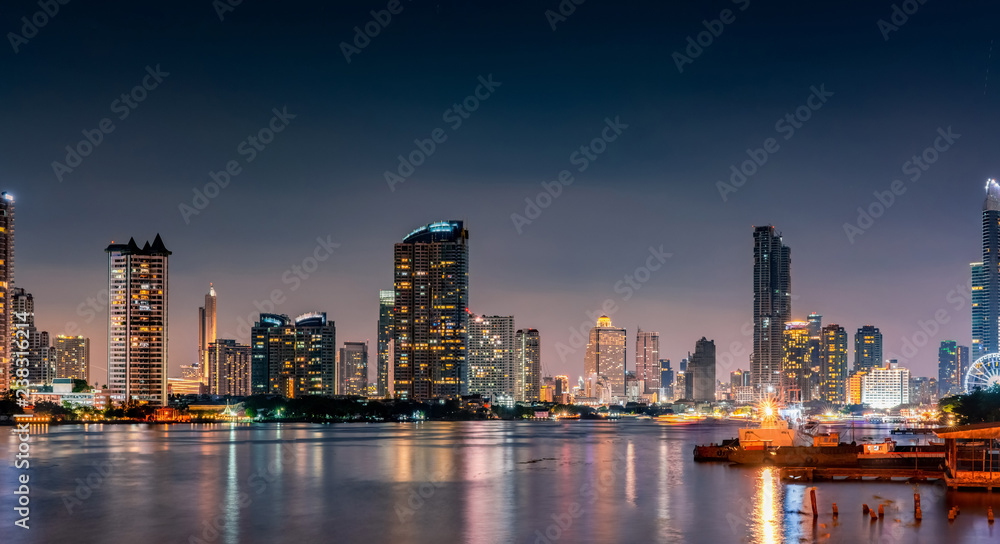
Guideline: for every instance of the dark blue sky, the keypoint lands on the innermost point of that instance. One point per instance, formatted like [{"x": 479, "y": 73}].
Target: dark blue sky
[{"x": 655, "y": 185}]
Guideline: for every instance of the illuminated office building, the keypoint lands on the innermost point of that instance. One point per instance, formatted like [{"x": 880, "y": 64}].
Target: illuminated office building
[
  {"x": 604, "y": 360},
  {"x": 491, "y": 358},
  {"x": 260, "y": 347},
  {"x": 6, "y": 285},
  {"x": 300, "y": 356},
  {"x": 986, "y": 280},
  {"x": 386, "y": 300},
  {"x": 867, "y": 348},
  {"x": 72, "y": 357},
  {"x": 206, "y": 332},
  {"x": 949, "y": 378},
  {"x": 833, "y": 364},
  {"x": 885, "y": 387},
  {"x": 352, "y": 369},
  {"x": 138, "y": 280},
  {"x": 528, "y": 367},
  {"x": 229, "y": 368},
  {"x": 647, "y": 360},
  {"x": 771, "y": 307},
  {"x": 430, "y": 319},
  {"x": 796, "y": 367}
]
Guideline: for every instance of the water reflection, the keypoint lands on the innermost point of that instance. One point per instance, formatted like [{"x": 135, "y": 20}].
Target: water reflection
[{"x": 766, "y": 522}]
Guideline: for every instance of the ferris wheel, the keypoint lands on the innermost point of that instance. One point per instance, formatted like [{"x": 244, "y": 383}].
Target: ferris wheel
[{"x": 984, "y": 373}]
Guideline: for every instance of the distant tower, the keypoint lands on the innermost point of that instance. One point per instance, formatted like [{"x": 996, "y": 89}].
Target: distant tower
[
  {"x": 229, "y": 367},
  {"x": 833, "y": 364},
  {"x": 6, "y": 285},
  {"x": 986, "y": 280},
  {"x": 72, "y": 357},
  {"x": 701, "y": 372},
  {"x": 797, "y": 363},
  {"x": 949, "y": 379},
  {"x": 386, "y": 300},
  {"x": 867, "y": 348},
  {"x": 647, "y": 360},
  {"x": 771, "y": 307},
  {"x": 138, "y": 280},
  {"x": 206, "y": 332},
  {"x": 605, "y": 357},
  {"x": 352, "y": 369},
  {"x": 528, "y": 366}
]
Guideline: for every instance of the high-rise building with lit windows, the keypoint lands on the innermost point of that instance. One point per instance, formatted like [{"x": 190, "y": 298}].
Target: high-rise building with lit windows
[
  {"x": 491, "y": 358},
  {"x": 206, "y": 332},
  {"x": 949, "y": 376},
  {"x": 772, "y": 307},
  {"x": 300, "y": 356},
  {"x": 430, "y": 312},
  {"x": 352, "y": 369},
  {"x": 528, "y": 367},
  {"x": 386, "y": 300},
  {"x": 797, "y": 363},
  {"x": 604, "y": 360},
  {"x": 72, "y": 357},
  {"x": 229, "y": 368},
  {"x": 833, "y": 364},
  {"x": 700, "y": 385},
  {"x": 138, "y": 280},
  {"x": 867, "y": 348},
  {"x": 6, "y": 284},
  {"x": 986, "y": 280},
  {"x": 260, "y": 334},
  {"x": 647, "y": 360}
]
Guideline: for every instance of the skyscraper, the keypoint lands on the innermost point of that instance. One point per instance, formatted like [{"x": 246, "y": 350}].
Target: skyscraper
[
  {"x": 72, "y": 357},
  {"x": 229, "y": 368},
  {"x": 6, "y": 285},
  {"x": 833, "y": 364},
  {"x": 260, "y": 346},
  {"x": 352, "y": 369},
  {"x": 528, "y": 366},
  {"x": 605, "y": 357},
  {"x": 986, "y": 279},
  {"x": 962, "y": 360},
  {"x": 949, "y": 379},
  {"x": 41, "y": 358},
  {"x": 138, "y": 280},
  {"x": 430, "y": 319},
  {"x": 300, "y": 356},
  {"x": 797, "y": 363},
  {"x": 491, "y": 357},
  {"x": 647, "y": 360},
  {"x": 771, "y": 307},
  {"x": 386, "y": 300},
  {"x": 867, "y": 348},
  {"x": 206, "y": 332},
  {"x": 701, "y": 372},
  {"x": 666, "y": 391}
]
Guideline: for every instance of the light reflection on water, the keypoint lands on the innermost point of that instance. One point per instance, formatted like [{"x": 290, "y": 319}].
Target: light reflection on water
[{"x": 475, "y": 482}]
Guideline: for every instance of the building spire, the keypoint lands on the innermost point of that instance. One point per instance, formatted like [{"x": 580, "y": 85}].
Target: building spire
[{"x": 211, "y": 289}]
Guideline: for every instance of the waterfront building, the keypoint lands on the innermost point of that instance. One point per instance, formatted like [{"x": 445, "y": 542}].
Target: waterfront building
[
  {"x": 771, "y": 307},
  {"x": 72, "y": 357},
  {"x": 386, "y": 301},
  {"x": 352, "y": 369},
  {"x": 867, "y": 348},
  {"x": 886, "y": 387},
  {"x": 854, "y": 385},
  {"x": 229, "y": 368},
  {"x": 138, "y": 289},
  {"x": 796, "y": 366},
  {"x": 6, "y": 287},
  {"x": 923, "y": 390},
  {"x": 207, "y": 327},
  {"x": 491, "y": 357},
  {"x": 605, "y": 356},
  {"x": 700, "y": 383},
  {"x": 986, "y": 279},
  {"x": 833, "y": 364},
  {"x": 647, "y": 360},
  {"x": 528, "y": 367},
  {"x": 41, "y": 358},
  {"x": 430, "y": 319},
  {"x": 299, "y": 356},
  {"x": 666, "y": 391}
]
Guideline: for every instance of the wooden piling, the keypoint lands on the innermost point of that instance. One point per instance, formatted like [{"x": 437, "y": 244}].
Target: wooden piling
[
  {"x": 873, "y": 514},
  {"x": 989, "y": 514},
  {"x": 864, "y": 509},
  {"x": 916, "y": 502},
  {"x": 812, "y": 498},
  {"x": 835, "y": 513},
  {"x": 881, "y": 511},
  {"x": 918, "y": 515}
]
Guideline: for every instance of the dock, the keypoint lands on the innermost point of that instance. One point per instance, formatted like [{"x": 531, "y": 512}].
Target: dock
[
  {"x": 924, "y": 430},
  {"x": 811, "y": 474}
]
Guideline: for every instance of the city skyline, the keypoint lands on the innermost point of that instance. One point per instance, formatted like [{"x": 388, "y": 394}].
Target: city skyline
[{"x": 670, "y": 179}]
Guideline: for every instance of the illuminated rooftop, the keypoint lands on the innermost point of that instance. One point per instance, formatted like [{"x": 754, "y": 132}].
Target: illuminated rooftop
[{"x": 992, "y": 203}]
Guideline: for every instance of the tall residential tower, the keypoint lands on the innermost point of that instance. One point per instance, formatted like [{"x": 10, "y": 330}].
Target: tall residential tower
[
  {"x": 206, "y": 333},
  {"x": 771, "y": 307}
]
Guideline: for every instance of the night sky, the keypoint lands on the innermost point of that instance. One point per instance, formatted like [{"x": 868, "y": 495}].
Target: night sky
[{"x": 655, "y": 185}]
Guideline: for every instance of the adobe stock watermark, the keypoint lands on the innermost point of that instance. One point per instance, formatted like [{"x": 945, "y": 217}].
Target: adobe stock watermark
[
  {"x": 249, "y": 148},
  {"x": 565, "y": 9},
  {"x": 582, "y": 159},
  {"x": 957, "y": 300},
  {"x": 703, "y": 40},
  {"x": 898, "y": 17},
  {"x": 589, "y": 493},
  {"x": 420, "y": 494},
  {"x": 293, "y": 277},
  {"x": 455, "y": 116},
  {"x": 222, "y": 7},
  {"x": 38, "y": 20},
  {"x": 626, "y": 287},
  {"x": 363, "y": 35},
  {"x": 786, "y": 126},
  {"x": 86, "y": 487},
  {"x": 123, "y": 106},
  {"x": 915, "y": 167}
]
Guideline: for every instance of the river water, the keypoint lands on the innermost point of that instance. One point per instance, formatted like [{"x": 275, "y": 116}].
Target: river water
[{"x": 441, "y": 482}]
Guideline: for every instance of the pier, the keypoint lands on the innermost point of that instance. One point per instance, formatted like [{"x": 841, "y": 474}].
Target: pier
[{"x": 811, "y": 474}]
